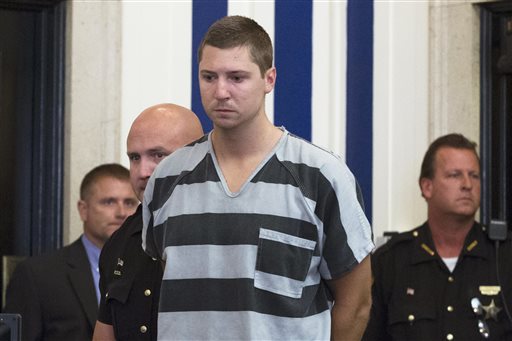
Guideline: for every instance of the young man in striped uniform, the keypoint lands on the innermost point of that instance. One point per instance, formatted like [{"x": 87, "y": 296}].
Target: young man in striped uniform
[{"x": 259, "y": 230}]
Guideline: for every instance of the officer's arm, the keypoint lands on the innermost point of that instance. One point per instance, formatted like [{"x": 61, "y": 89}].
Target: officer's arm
[
  {"x": 376, "y": 329},
  {"x": 103, "y": 332},
  {"x": 352, "y": 302}
]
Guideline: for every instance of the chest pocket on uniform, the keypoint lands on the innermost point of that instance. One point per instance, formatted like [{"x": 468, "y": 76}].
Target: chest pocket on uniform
[
  {"x": 119, "y": 291},
  {"x": 412, "y": 319},
  {"x": 283, "y": 262}
]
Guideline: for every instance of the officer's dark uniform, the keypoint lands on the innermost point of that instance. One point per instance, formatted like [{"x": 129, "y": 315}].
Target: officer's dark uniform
[
  {"x": 416, "y": 297},
  {"x": 129, "y": 283}
]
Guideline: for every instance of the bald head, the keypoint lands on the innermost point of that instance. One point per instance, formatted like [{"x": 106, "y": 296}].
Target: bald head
[{"x": 157, "y": 132}]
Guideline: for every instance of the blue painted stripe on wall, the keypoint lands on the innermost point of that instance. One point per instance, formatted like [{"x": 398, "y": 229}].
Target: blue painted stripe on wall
[
  {"x": 204, "y": 13},
  {"x": 293, "y": 60},
  {"x": 359, "y": 151}
]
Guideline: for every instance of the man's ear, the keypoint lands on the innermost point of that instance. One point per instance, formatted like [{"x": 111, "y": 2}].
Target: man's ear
[
  {"x": 270, "y": 79},
  {"x": 426, "y": 187},
  {"x": 82, "y": 209}
]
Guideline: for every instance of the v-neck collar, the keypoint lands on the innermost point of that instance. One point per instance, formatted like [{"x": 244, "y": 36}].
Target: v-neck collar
[{"x": 223, "y": 181}]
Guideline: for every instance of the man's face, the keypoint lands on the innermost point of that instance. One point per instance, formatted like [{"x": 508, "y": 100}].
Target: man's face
[
  {"x": 232, "y": 89},
  {"x": 455, "y": 187},
  {"x": 149, "y": 143},
  {"x": 106, "y": 207}
]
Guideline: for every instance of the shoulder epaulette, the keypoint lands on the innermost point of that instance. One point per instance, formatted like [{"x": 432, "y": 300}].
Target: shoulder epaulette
[{"x": 398, "y": 239}]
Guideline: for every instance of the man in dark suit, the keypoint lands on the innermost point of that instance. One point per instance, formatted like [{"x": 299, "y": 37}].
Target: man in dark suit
[{"x": 57, "y": 294}]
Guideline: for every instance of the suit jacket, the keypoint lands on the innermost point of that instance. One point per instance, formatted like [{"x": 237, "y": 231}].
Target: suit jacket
[{"x": 55, "y": 295}]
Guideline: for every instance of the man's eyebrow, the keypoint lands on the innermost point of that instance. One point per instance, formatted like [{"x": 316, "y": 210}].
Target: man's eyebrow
[
  {"x": 230, "y": 72},
  {"x": 237, "y": 71},
  {"x": 158, "y": 149}
]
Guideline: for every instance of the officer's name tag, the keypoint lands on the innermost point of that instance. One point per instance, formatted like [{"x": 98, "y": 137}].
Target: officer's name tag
[{"x": 490, "y": 290}]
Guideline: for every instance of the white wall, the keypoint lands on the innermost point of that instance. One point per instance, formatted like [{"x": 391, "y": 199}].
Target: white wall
[
  {"x": 156, "y": 62},
  {"x": 329, "y": 70},
  {"x": 400, "y": 111},
  {"x": 92, "y": 123}
]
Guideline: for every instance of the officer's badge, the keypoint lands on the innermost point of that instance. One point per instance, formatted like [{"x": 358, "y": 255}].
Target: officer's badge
[{"x": 491, "y": 311}]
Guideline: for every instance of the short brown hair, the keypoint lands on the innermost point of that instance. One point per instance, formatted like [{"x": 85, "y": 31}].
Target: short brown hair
[
  {"x": 457, "y": 141},
  {"x": 108, "y": 170},
  {"x": 236, "y": 30}
]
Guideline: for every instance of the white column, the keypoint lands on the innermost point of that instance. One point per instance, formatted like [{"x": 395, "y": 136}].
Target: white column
[
  {"x": 93, "y": 76},
  {"x": 400, "y": 111}
]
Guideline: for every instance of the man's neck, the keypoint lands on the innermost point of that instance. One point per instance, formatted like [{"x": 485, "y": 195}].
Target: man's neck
[
  {"x": 239, "y": 153},
  {"x": 245, "y": 141},
  {"x": 449, "y": 234}
]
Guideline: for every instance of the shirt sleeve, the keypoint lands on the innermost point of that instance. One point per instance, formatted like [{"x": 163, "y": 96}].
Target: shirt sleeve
[
  {"x": 347, "y": 232},
  {"x": 148, "y": 240},
  {"x": 377, "y": 325}
]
